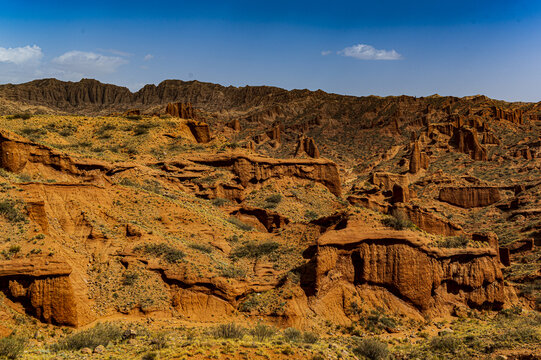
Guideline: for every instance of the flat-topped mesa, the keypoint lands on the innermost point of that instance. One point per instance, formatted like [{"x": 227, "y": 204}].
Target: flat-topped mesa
[
  {"x": 253, "y": 169},
  {"x": 471, "y": 196},
  {"x": 18, "y": 154},
  {"x": 401, "y": 265},
  {"x": 181, "y": 110}
]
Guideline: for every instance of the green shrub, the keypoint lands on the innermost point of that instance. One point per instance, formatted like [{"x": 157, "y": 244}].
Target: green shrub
[
  {"x": 150, "y": 356},
  {"x": 445, "y": 344},
  {"x": 261, "y": 332},
  {"x": 460, "y": 241},
  {"x": 160, "y": 340},
  {"x": 129, "y": 279},
  {"x": 204, "y": 248},
  {"x": 11, "y": 347},
  {"x": 243, "y": 226},
  {"x": 292, "y": 335},
  {"x": 398, "y": 221},
  {"x": 142, "y": 129},
  {"x": 229, "y": 331},
  {"x": 101, "y": 334},
  {"x": 254, "y": 250},
  {"x": 166, "y": 252},
  {"x": 23, "y": 116},
  {"x": 219, "y": 202},
  {"x": 310, "y": 215},
  {"x": 371, "y": 349},
  {"x": 310, "y": 337},
  {"x": 9, "y": 210},
  {"x": 272, "y": 201},
  {"x": 232, "y": 272}
]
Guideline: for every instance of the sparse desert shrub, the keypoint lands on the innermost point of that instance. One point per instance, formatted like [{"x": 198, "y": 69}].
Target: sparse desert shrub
[
  {"x": 254, "y": 250},
  {"x": 160, "y": 340},
  {"x": 292, "y": 335},
  {"x": 445, "y": 344},
  {"x": 310, "y": 215},
  {"x": 129, "y": 279},
  {"x": 310, "y": 337},
  {"x": 9, "y": 210},
  {"x": 102, "y": 131},
  {"x": 204, "y": 248},
  {"x": 398, "y": 221},
  {"x": 134, "y": 117},
  {"x": 11, "y": 347},
  {"x": 371, "y": 349},
  {"x": 22, "y": 116},
  {"x": 101, "y": 334},
  {"x": 141, "y": 129},
  {"x": 460, "y": 241},
  {"x": 243, "y": 226},
  {"x": 229, "y": 331},
  {"x": 232, "y": 272},
  {"x": 152, "y": 355},
  {"x": 219, "y": 202},
  {"x": 166, "y": 252},
  {"x": 272, "y": 201},
  {"x": 261, "y": 332}
]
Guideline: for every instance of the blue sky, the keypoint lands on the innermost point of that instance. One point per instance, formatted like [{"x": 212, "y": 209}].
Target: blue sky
[{"x": 349, "y": 47}]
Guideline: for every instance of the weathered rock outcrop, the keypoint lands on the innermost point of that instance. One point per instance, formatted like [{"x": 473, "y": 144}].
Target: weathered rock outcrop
[
  {"x": 514, "y": 116},
  {"x": 43, "y": 287},
  {"x": 269, "y": 220},
  {"x": 470, "y": 197},
  {"x": 307, "y": 145},
  {"x": 415, "y": 158},
  {"x": 251, "y": 169},
  {"x": 200, "y": 131},
  {"x": 18, "y": 154},
  {"x": 430, "y": 280},
  {"x": 465, "y": 141},
  {"x": 234, "y": 124},
  {"x": 181, "y": 110}
]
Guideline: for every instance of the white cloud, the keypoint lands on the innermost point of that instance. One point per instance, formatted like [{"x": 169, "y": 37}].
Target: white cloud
[
  {"x": 368, "y": 52},
  {"x": 20, "y": 55},
  {"x": 326, "y": 52},
  {"x": 148, "y": 57},
  {"x": 87, "y": 63}
]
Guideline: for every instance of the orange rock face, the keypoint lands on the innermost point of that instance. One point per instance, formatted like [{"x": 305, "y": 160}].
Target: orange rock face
[
  {"x": 200, "y": 131},
  {"x": 181, "y": 110},
  {"x": 44, "y": 285},
  {"x": 306, "y": 145},
  {"x": 514, "y": 116},
  {"x": 257, "y": 169},
  {"x": 465, "y": 141},
  {"x": 428, "y": 279},
  {"x": 470, "y": 197}
]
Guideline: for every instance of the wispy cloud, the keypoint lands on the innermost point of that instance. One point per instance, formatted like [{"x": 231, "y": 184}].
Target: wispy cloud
[
  {"x": 368, "y": 52},
  {"x": 326, "y": 52},
  {"x": 148, "y": 57},
  {"x": 20, "y": 55},
  {"x": 116, "y": 52},
  {"x": 87, "y": 63}
]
